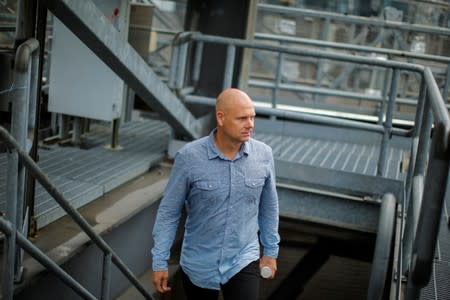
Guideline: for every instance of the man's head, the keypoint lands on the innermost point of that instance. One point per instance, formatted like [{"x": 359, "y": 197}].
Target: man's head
[{"x": 235, "y": 115}]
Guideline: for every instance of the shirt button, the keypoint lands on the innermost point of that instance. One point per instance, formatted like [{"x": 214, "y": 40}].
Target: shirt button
[{"x": 209, "y": 185}]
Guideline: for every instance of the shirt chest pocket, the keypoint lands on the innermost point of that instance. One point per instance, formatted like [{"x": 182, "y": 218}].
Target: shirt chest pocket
[
  {"x": 204, "y": 192},
  {"x": 253, "y": 188},
  {"x": 254, "y": 183},
  {"x": 206, "y": 186}
]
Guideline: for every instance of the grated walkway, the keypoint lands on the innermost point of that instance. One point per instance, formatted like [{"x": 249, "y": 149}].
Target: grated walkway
[{"x": 84, "y": 175}]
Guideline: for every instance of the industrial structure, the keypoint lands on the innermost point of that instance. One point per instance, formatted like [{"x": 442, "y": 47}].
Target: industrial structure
[{"x": 96, "y": 97}]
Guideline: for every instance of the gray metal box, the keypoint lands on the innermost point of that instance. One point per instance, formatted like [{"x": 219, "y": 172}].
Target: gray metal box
[{"x": 80, "y": 83}]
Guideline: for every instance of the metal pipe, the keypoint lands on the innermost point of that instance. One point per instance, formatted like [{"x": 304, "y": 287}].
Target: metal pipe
[
  {"x": 186, "y": 36},
  {"x": 354, "y": 19},
  {"x": 383, "y": 248},
  {"x": 387, "y": 134},
  {"x": 299, "y": 116},
  {"x": 25, "y": 20},
  {"x": 350, "y": 47},
  {"x": 181, "y": 67},
  {"x": 197, "y": 62},
  {"x": 25, "y": 54},
  {"x": 387, "y": 79},
  {"x": 428, "y": 225},
  {"x": 35, "y": 252},
  {"x": 412, "y": 219},
  {"x": 325, "y": 91},
  {"x": 440, "y": 112},
  {"x": 76, "y": 131},
  {"x": 420, "y": 108},
  {"x": 35, "y": 171},
  {"x": 277, "y": 79},
  {"x": 106, "y": 276},
  {"x": 446, "y": 85},
  {"x": 173, "y": 66},
  {"x": 115, "y": 134},
  {"x": 63, "y": 122},
  {"x": 229, "y": 67},
  {"x": 9, "y": 257}
]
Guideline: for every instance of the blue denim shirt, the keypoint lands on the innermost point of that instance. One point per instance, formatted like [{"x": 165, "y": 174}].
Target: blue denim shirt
[{"x": 227, "y": 203}]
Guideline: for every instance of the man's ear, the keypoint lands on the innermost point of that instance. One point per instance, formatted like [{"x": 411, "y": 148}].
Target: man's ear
[{"x": 219, "y": 118}]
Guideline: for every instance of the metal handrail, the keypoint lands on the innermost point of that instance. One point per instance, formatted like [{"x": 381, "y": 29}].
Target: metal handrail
[
  {"x": 431, "y": 114},
  {"x": 354, "y": 19},
  {"x": 366, "y": 49},
  {"x": 383, "y": 244},
  {"x": 108, "y": 252},
  {"x": 8, "y": 228},
  {"x": 434, "y": 189},
  {"x": 180, "y": 50},
  {"x": 177, "y": 77},
  {"x": 23, "y": 105}
]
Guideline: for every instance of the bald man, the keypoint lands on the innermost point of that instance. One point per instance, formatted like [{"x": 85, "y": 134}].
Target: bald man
[{"x": 226, "y": 182}]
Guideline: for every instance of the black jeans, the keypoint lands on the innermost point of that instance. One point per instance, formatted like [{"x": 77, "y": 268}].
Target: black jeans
[{"x": 242, "y": 286}]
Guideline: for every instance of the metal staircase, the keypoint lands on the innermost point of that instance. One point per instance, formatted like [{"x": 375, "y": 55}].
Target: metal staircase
[{"x": 340, "y": 177}]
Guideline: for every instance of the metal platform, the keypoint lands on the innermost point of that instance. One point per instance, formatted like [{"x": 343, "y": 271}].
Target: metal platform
[{"x": 85, "y": 173}]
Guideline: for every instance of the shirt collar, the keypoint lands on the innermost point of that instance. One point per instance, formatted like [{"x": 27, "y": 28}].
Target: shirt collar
[{"x": 213, "y": 152}]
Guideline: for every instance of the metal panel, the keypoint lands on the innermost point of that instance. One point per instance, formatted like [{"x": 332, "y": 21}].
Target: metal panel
[
  {"x": 80, "y": 83},
  {"x": 82, "y": 17}
]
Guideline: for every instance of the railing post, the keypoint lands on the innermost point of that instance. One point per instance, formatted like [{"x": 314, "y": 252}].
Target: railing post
[
  {"x": 173, "y": 65},
  {"x": 25, "y": 65},
  {"x": 9, "y": 257},
  {"x": 277, "y": 79},
  {"x": 416, "y": 171},
  {"x": 181, "y": 65},
  {"x": 37, "y": 173},
  {"x": 385, "y": 232},
  {"x": 197, "y": 62},
  {"x": 429, "y": 220},
  {"x": 325, "y": 31},
  {"x": 106, "y": 276},
  {"x": 229, "y": 67},
  {"x": 381, "y": 168},
  {"x": 446, "y": 85},
  {"x": 387, "y": 79}
]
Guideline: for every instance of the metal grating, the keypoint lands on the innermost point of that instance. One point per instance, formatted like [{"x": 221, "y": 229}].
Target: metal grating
[
  {"x": 354, "y": 157},
  {"x": 439, "y": 286},
  {"x": 84, "y": 175}
]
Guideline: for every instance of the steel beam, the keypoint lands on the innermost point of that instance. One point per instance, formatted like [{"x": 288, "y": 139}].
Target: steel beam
[{"x": 96, "y": 31}]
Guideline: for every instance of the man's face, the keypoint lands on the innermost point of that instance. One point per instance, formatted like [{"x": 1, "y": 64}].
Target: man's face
[{"x": 237, "y": 121}]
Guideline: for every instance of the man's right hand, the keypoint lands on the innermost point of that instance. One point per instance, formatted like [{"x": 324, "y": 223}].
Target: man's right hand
[{"x": 160, "y": 280}]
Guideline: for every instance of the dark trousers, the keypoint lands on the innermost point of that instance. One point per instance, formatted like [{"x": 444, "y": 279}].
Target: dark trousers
[{"x": 242, "y": 286}]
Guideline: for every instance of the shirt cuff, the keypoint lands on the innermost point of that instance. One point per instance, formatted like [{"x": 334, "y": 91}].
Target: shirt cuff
[
  {"x": 271, "y": 252},
  {"x": 160, "y": 266}
]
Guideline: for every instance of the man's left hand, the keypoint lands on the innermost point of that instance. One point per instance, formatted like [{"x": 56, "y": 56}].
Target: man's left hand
[{"x": 270, "y": 262}]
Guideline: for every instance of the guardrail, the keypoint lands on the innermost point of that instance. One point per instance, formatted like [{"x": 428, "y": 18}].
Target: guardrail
[
  {"x": 23, "y": 95},
  {"x": 189, "y": 39},
  {"x": 109, "y": 256},
  {"x": 431, "y": 115},
  {"x": 390, "y": 54}
]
